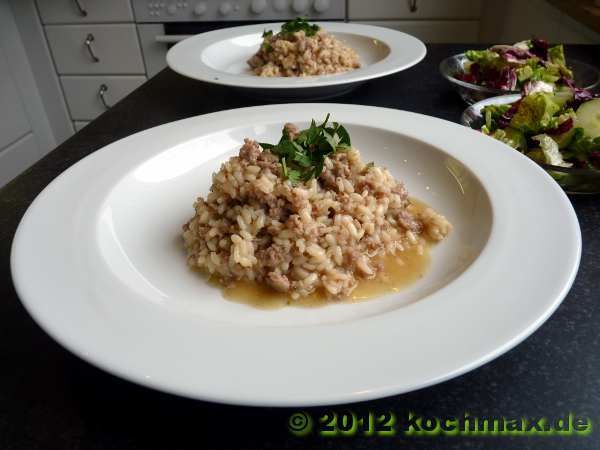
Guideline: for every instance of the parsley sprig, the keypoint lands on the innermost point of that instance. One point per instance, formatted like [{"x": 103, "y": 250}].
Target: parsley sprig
[
  {"x": 303, "y": 157},
  {"x": 266, "y": 45},
  {"x": 293, "y": 26},
  {"x": 300, "y": 24}
]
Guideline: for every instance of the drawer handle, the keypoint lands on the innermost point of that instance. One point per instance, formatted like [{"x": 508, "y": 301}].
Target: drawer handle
[
  {"x": 81, "y": 8},
  {"x": 412, "y": 5},
  {"x": 88, "y": 43},
  {"x": 102, "y": 94}
]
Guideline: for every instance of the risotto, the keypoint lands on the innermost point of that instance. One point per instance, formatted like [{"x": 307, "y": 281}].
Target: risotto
[
  {"x": 273, "y": 219},
  {"x": 301, "y": 49}
]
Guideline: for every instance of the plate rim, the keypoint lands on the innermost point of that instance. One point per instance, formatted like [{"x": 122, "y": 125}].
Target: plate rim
[
  {"x": 262, "y": 400},
  {"x": 386, "y": 66}
]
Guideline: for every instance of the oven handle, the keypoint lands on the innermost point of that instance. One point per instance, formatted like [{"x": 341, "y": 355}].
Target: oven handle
[{"x": 171, "y": 39}]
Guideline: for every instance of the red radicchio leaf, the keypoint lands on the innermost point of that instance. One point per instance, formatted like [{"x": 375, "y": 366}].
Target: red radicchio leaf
[
  {"x": 472, "y": 76},
  {"x": 527, "y": 88},
  {"x": 504, "y": 119},
  {"x": 515, "y": 54},
  {"x": 567, "y": 82},
  {"x": 466, "y": 77},
  {"x": 506, "y": 79},
  {"x": 561, "y": 128},
  {"x": 580, "y": 95},
  {"x": 539, "y": 48}
]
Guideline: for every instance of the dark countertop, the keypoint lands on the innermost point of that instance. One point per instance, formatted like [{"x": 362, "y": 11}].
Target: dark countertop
[{"x": 50, "y": 399}]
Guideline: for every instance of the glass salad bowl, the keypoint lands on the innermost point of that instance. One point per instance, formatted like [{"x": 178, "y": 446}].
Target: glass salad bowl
[
  {"x": 572, "y": 180},
  {"x": 585, "y": 76}
]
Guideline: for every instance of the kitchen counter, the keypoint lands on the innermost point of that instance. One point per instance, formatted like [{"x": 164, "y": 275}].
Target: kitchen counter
[{"x": 50, "y": 399}]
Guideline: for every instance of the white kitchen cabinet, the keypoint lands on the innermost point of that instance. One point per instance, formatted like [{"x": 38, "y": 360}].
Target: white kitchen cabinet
[
  {"x": 14, "y": 123},
  {"x": 17, "y": 157},
  {"x": 95, "y": 49},
  {"x": 455, "y": 31},
  {"x": 25, "y": 133},
  {"x": 79, "y": 124},
  {"x": 84, "y": 11},
  {"x": 18, "y": 148},
  {"x": 90, "y": 96},
  {"x": 154, "y": 52},
  {"x": 414, "y": 9}
]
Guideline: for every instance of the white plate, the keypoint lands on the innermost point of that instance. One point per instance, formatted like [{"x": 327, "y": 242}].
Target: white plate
[
  {"x": 220, "y": 57},
  {"x": 98, "y": 262}
]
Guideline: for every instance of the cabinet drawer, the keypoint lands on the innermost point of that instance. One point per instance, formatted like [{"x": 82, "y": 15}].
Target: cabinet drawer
[
  {"x": 435, "y": 32},
  {"x": 425, "y": 9},
  {"x": 116, "y": 48},
  {"x": 84, "y": 98},
  {"x": 85, "y": 11}
]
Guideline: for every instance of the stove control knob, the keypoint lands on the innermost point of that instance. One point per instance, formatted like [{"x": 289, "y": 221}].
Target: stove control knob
[
  {"x": 258, "y": 6},
  {"x": 300, "y": 5},
  {"x": 280, "y": 5},
  {"x": 321, "y": 5},
  {"x": 225, "y": 8},
  {"x": 200, "y": 8},
  {"x": 172, "y": 9}
]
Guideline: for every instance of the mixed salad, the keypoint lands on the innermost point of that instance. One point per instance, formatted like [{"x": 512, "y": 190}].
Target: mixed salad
[
  {"x": 559, "y": 127},
  {"x": 510, "y": 67}
]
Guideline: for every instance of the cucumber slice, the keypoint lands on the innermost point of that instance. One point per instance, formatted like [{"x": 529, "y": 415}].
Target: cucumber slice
[{"x": 588, "y": 118}]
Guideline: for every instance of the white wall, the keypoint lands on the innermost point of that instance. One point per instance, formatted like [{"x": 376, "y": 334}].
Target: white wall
[{"x": 515, "y": 20}]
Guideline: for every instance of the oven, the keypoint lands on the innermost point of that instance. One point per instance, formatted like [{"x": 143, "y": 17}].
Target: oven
[{"x": 162, "y": 23}]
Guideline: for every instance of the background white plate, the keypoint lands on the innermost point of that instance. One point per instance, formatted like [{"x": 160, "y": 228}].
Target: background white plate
[
  {"x": 98, "y": 262},
  {"x": 220, "y": 57}
]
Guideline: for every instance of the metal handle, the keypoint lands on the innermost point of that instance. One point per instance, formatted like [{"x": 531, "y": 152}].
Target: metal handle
[
  {"x": 171, "y": 38},
  {"x": 88, "y": 43},
  {"x": 81, "y": 8},
  {"x": 412, "y": 5},
  {"x": 102, "y": 94}
]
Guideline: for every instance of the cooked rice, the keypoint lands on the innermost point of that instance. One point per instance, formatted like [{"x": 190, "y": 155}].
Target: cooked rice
[
  {"x": 298, "y": 55},
  {"x": 324, "y": 234}
]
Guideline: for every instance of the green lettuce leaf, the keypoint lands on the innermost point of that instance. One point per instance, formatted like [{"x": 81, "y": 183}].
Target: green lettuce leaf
[
  {"x": 485, "y": 58},
  {"x": 535, "y": 112},
  {"x": 511, "y": 137}
]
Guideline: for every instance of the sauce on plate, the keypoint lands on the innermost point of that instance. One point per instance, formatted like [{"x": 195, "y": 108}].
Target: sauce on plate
[{"x": 398, "y": 272}]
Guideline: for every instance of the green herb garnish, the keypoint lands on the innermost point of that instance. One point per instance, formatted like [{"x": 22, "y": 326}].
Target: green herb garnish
[
  {"x": 303, "y": 157},
  {"x": 266, "y": 45},
  {"x": 288, "y": 28},
  {"x": 300, "y": 24},
  {"x": 293, "y": 26}
]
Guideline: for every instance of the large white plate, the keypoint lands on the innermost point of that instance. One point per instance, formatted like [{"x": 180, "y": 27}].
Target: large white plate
[
  {"x": 220, "y": 57},
  {"x": 98, "y": 262}
]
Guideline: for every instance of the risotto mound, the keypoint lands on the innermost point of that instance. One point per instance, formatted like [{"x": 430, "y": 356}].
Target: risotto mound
[
  {"x": 324, "y": 233},
  {"x": 305, "y": 52}
]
